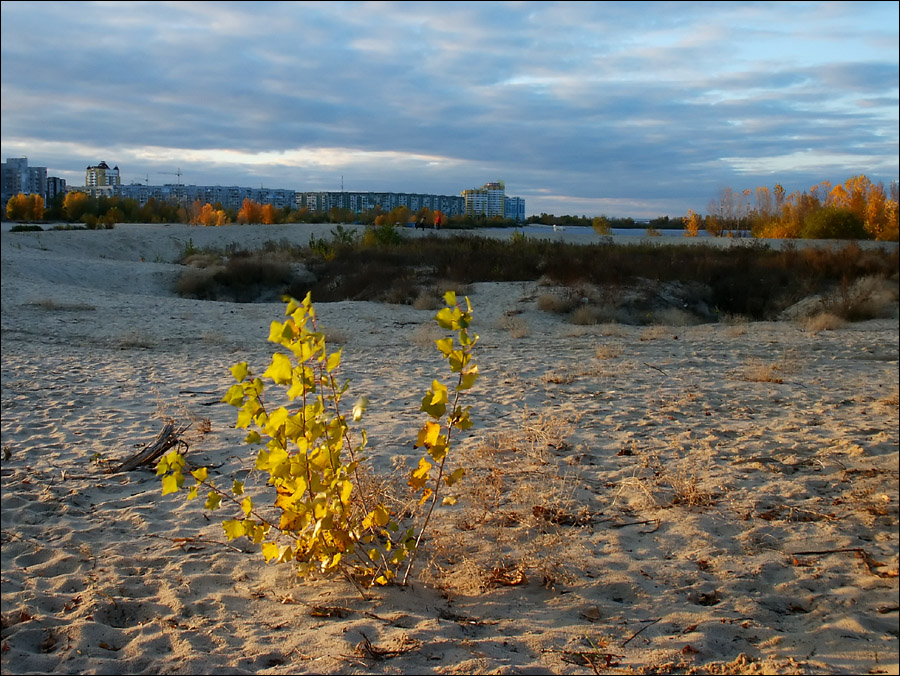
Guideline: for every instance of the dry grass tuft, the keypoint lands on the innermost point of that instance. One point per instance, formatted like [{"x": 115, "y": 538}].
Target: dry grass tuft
[
  {"x": 824, "y": 322},
  {"x": 656, "y": 333},
  {"x": 513, "y": 324},
  {"x": 51, "y": 305},
  {"x": 514, "y": 522},
  {"x": 611, "y": 351},
  {"x": 425, "y": 335}
]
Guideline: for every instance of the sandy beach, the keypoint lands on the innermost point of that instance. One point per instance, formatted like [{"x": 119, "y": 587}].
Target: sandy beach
[{"x": 711, "y": 498}]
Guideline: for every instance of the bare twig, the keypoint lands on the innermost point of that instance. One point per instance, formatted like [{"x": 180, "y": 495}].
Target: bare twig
[{"x": 642, "y": 629}]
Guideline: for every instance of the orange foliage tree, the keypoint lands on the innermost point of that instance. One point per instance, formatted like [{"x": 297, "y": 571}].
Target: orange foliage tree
[
  {"x": 76, "y": 204},
  {"x": 250, "y": 212},
  {"x": 778, "y": 215},
  {"x": 209, "y": 216},
  {"x": 692, "y": 223},
  {"x": 24, "y": 207}
]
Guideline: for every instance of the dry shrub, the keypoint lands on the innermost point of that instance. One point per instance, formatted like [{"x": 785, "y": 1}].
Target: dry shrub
[
  {"x": 824, "y": 321},
  {"x": 134, "y": 341},
  {"x": 586, "y": 316},
  {"x": 198, "y": 283},
  {"x": 686, "y": 490},
  {"x": 893, "y": 401},
  {"x": 335, "y": 337},
  {"x": 516, "y": 326},
  {"x": 520, "y": 515},
  {"x": 869, "y": 297},
  {"x": 610, "y": 351},
  {"x": 613, "y": 329},
  {"x": 674, "y": 316},
  {"x": 426, "y": 301},
  {"x": 202, "y": 260},
  {"x": 760, "y": 372},
  {"x": 555, "y": 303},
  {"x": 656, "y": 485},
  {"x": 655, "y": 333},
  {"x": 425, "y": 335}
]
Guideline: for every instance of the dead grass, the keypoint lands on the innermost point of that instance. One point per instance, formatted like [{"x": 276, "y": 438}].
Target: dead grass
[
  {"x": 824, "y": 322},
  {"x": 51, "y": 305},
  {"x": 513, "y": 324},
  {"x": 519, "y": 513},
  {"x": 610, "y": 351},
  {"x": 757, "y": 371},
  {"x": 425, "y": 335}
]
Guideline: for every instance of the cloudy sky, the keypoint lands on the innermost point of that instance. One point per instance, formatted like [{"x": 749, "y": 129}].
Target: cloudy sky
[{"x": 620, "y": 108}]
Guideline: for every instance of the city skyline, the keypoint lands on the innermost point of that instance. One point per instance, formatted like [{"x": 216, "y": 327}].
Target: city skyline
[{"x": 622, "y": 109}]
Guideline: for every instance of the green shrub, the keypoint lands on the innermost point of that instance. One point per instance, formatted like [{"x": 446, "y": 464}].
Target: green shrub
[{"x": 833, "y": 223}]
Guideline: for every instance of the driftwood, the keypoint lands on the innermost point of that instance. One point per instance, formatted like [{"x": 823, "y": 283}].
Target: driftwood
[{"x": 166, "y": 439}]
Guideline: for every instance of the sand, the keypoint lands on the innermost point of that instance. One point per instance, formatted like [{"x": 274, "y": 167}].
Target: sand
[{"x": 718, "y": 498}]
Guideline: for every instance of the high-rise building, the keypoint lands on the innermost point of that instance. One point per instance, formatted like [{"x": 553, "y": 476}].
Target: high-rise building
[
  {"x": 101, "y": 175},
  {"x": 17, "y": 177},
  {"x": 489, "y": 200}
]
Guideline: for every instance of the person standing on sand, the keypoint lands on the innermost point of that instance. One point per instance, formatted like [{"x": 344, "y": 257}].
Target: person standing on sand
[{"x": 437, "y": 220}]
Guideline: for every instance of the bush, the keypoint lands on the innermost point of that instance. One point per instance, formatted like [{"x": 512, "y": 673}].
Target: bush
[
  {"x": 833, "y": 223},
  {"x": 324, "y": 516}
]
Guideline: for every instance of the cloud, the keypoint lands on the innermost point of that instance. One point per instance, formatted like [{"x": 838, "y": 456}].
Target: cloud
[{"x": 650, "y": 107}]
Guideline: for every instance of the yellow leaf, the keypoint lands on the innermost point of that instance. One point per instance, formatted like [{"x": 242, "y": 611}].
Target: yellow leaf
[
  {"x": 445, "y": 345},
  {"x": 271, "y": 551},
  {"x": 237, "y": 487},
  {"x": 455, "y": 476},
  {"x": 247, "y": 506},
  {"x": 233, "y": 528},
  {"x": 212, "y": 500},
  {"x": 420, "y": 476},
  {"x": 280, "y": 369},
  {"x": 379, "y": 517},
  {"x": 234, "y": 396},
  {"x": 171, "y": 483},
  {"x": 200, "y": 474},
  {"x": 428, "y": 435},
  {"x": 346, "y": 490},
  {"x": 334, "y": 360},
  {"x": 450, "y": 297},
  {"x": 361, "y": 404},
  {"x": 240, "y": 371}
]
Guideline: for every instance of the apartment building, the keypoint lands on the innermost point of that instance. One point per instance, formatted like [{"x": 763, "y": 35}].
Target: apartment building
[
  {"x": 101, "y": 175},
  {"x": 17, "y": 177},
  {"x": 103, "y": 181},
  {"x": 489, "y": 200}
]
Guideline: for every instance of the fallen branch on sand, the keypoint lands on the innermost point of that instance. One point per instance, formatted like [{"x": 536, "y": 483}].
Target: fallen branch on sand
[{"x": 166, "y": 439}]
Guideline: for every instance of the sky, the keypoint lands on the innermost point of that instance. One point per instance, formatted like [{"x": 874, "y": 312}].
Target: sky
[{"x": 637, "y": 109}]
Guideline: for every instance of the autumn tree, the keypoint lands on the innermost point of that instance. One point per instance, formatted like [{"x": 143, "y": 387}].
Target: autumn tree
[
  {"x": 601, "y": 225},
  {"x": 692, "y": 224},
  {"x": 250, "y": 212},
  {"x": 268, "y": 214},
  {"x": 76, "y": 204},
  {"x": 24, "y": 207}
]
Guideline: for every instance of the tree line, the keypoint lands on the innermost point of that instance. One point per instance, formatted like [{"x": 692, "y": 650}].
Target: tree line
[
  {"x": 104, "y": 212},
  {"x": 854, "y": 209}
]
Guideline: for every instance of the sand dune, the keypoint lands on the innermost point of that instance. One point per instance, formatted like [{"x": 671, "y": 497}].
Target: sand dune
[{"x": 668, "y": 499}]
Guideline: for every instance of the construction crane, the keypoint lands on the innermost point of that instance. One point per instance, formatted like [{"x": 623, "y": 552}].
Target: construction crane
[{"x": 172, "y": 173}]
